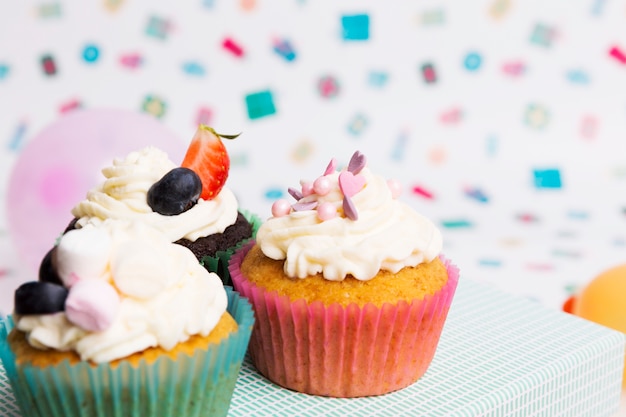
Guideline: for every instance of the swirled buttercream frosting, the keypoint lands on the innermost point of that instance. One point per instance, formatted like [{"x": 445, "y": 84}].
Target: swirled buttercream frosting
[
  {"x": 128, "y": 288},
  {"x": 347, "y": 222},
  {"x": 123, "y": 195}
]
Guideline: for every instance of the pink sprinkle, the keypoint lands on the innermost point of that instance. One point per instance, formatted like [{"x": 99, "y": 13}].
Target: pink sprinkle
[
  {"x": 232, "y": 47},
  {"x": 307, "y": 188},
  {"x": 423, "y": 192},
  {"x": 281, "y": 208},
  {"x": 326, "y": 211},
  {"x": 321, "y": 186},
  {"x": 332, "y": 165}
]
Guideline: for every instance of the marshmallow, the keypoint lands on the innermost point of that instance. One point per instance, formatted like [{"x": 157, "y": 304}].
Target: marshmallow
[
  {"x": 82, "y": 254},
  {"x": 92, "y": 305}
]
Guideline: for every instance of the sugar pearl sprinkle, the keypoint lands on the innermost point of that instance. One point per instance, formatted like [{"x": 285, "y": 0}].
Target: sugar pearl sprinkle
[{"x": 349, "y": 184}]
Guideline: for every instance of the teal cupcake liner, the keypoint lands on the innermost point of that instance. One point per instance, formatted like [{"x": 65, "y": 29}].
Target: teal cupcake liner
[
  {"x": 198, "y": 385},
  {"x": 219, "y": 262}
]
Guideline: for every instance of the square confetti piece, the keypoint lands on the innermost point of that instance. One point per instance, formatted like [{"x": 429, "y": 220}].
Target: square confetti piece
[
  {"x": 547, "y": 178},
  {"x": 4, "y": 71},
  {"x": 260, "y": 104},
  {"x": 356, "y": 27}
]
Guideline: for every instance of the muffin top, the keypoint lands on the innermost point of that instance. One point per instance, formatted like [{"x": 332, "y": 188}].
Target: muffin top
[
  {"x": 116, "y": 288},
  {"x": 347, "y": 222}
]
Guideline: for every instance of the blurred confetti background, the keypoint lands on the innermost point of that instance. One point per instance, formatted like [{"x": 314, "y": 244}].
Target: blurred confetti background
[{"x": 504, "y": 120}]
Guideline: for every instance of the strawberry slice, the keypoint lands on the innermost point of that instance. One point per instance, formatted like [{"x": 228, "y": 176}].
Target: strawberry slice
[{"x": 208, "y": 158}]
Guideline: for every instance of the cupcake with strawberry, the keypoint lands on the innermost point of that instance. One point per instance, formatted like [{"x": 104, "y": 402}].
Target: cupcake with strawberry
[{"x": 188, "y": 202}]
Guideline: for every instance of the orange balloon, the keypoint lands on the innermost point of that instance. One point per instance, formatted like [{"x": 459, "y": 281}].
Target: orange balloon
[{"x": 603, "y": 301}]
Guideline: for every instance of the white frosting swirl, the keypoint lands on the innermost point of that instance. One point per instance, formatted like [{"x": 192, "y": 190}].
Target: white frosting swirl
[
  {"x": 164, "y": 298},
  {"x": 123, "y": 195},
  {"x": 388, "y": 235}
]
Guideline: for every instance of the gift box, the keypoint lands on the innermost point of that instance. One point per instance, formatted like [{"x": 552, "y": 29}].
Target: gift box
[{"x": 499, "y": 355}]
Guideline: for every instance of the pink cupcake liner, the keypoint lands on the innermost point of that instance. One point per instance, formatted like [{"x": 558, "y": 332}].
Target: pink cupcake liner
[{"x": 341, "y": 351}]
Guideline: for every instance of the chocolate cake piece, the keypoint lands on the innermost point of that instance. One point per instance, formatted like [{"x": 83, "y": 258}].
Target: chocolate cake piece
[{"x": 209, "y": 245}]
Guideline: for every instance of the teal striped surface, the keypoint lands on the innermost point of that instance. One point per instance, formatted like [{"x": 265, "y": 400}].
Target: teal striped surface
[{"x": 499, "y": 356}]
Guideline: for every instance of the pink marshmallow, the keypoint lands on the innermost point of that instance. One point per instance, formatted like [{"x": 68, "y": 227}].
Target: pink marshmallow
[{"x": 92, "y": 304}]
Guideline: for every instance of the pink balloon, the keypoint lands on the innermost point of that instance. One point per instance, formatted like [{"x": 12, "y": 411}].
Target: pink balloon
[{"x": 61, "y": 163}]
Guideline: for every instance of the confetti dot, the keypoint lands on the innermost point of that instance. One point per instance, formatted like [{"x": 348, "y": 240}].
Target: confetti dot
[
  {"x": 69, "y": 106},
  {"x": 428, "y": 73},
  {"x": 536, "y": 116},
  {"x": 247, "y": 5},
  {"x": 527, "y": 218},
  {"x": 154, "y": 106},
  {"x": 476, "y": 194},
  {"x": 577, "y": 77},
  {"x": 91, "y": 54},
  {"x": 273, "y": 193},
  {"x": 131, "y": 61},
  {"x": 539, "y": 267},
  {"x": 422, "y": 192},
  {"x": 547, "y": 178},
  {"x": 619, "y": 55},
  {"x": 451, "y": 117},
  {"x": 377, "y": 78},
  {"x": 499, "y": 8},
  {"x": 577, "y": 215},
  {"x": 17, "y": 138},
  {"x": 491, "y": 145},
  {"x": 204, "y": 116},
  {"x": 232, "y": 47},
  {"x": 399, "y": 147},
  {"x": 456, "y": 224},
  {"x": 494, "y": 263},
  {"x": 158, "y": 27},
  {"x": 432, "y": 17},
  {"x": 284, "y": 49},
  {"x": 472, "y": 61},
  {"x": 358, "y": 124},
  {"x": 565, "y": 253},
  {"x": 597, "y": 7},
  {"x": 355, "y": 27},
  {"x": 194, "y": 69},
  {"x": 48, "y": 65},
  {"x": 209, "y": 4},
  {"x": 50, "y": 10},
  {"x": 260, "y": 104},
  {"x": 514, "y": 68},
  {"x": 328, "y": 86},
  {"x": 4, "y": 71},
  {"x": 239, "y": 159},
  {"x": 437, "y": 155},
  {"x": 542, "y": 35},
  {"x": 113, "y": 5},
  {"x": 303, "y": 151},
  {"x": 589, "y": 127}
]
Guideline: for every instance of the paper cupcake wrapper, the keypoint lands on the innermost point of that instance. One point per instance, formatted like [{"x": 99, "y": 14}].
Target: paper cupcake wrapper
[
  {"x": 343, "y": 351},
  {"x": 198, "y": 385},
  {"x": 219, "y": 262}
]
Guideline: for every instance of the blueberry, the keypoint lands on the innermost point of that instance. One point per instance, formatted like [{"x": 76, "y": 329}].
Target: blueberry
[
  {"x": 40, "y": 298},
  {"x": 176, "y": 192},
  {"x": 47, "y": 271}
]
